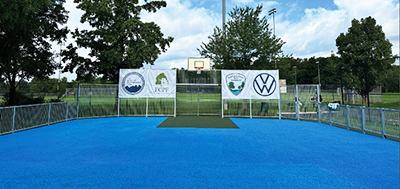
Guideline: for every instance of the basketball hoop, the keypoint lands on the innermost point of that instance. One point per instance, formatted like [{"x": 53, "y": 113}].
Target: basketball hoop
[{"x": 199, "y": 70}]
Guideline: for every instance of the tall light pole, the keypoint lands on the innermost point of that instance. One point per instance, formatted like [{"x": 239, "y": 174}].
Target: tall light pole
[
  {"x": 319, "y": 76},
  {"x": 272, "y": 11},
  {"x": 295, "y": 75},
  {"x": 341, "y": 83},
  {"x": 223, "y": 16},
  {"x": 59, "y": 72}
]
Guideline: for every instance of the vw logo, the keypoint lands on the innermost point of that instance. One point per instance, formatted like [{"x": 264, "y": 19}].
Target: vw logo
[{"x": 264, "y": 84}]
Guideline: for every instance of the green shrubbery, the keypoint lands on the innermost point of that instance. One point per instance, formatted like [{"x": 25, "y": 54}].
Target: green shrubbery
[{"x": 22, "y": 99}]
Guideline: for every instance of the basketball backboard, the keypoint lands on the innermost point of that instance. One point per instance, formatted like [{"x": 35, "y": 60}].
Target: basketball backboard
[{"x": 194, "y": 63}]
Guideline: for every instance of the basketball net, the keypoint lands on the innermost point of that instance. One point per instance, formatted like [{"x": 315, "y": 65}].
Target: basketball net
[{"x": 199, "y": 70}]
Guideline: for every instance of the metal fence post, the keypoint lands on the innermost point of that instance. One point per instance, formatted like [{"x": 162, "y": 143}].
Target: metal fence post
[
  {"x": 66, "y": 111},
  {"x": 77, "y": 101},
  {"x": 330, "y": 116},
  {"x": 251, "y": 113},
  {"x": 118, "y": 107},
  {"x": 318, "y": 104},
  {"x": 175, "y": 105},
  {"x": 348, "y": 117},
  {"x": 13, "y": 120},
  {"x": 147, "y": 106},
  {"x": 280, "y": 109},
  {"x": 383, "y": 122},
  {"x": 297, "y": 104},
  {"x": 176, "y": 75},
  {"x": 222, "y": 108},
  {"x": 49, "y": 112},
  {"x": 362, "y": 119}
]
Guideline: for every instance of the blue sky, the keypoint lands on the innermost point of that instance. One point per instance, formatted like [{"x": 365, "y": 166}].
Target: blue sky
[{"x": 308, "y": 27}]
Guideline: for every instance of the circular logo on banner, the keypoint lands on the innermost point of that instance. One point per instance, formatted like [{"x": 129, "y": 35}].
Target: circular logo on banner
[
  {"x": 264, "y": 84},
  {"x": 133, "y": 83}
]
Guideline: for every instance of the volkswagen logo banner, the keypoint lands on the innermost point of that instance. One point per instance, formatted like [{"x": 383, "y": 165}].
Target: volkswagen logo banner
[{"x": 250, "y": 84}]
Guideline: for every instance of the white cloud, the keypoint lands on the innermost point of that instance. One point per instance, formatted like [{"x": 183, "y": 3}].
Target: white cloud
[
  {"x": 316, "y": 32},
  {"x": 312, "y": 33},
  {"x": 190, "y": 26}
]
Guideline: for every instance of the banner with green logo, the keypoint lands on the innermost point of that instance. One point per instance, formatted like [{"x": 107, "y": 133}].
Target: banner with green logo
[
  {"x": 250, "y": 84},
  {"x": 134, "y": 83}
]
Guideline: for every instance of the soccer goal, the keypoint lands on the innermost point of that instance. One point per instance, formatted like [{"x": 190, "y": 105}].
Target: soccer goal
[{"x": 102, "y": 100}]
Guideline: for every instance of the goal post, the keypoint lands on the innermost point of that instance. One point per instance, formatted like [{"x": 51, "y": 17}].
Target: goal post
[
  {"x": 101, "y": 100},
  {"x": 154, "y": 96}
]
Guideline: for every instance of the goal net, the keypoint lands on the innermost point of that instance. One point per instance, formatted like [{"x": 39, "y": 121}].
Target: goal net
[{"x": 101, "y": 100}]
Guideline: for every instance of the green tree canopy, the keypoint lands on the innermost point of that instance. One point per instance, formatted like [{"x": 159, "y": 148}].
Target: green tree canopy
[
  {"x": 247, "y": 43},
  {"x": 26, "y": 30},
  {"x": 119, "y": 39},
  {"x": 365, "y": 52},
  {"x": 389, "y": 81}
]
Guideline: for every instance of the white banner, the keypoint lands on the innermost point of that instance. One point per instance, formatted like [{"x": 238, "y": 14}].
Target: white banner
[
  {"x": 134, "y": 83},
  {"x": 250, "y": 84},
  {"x": 162, "y": 83}
]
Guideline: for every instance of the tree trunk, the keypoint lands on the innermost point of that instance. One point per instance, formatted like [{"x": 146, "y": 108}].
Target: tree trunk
[
  {"x": 12, "y": 94},
  {"x": 364, "y": 99}
]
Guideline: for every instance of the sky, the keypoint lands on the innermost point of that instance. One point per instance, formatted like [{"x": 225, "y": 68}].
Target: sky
[{"x": 309, "y": 28}]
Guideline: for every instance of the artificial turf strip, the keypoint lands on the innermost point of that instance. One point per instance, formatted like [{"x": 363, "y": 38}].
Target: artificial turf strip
[{"x": 199, "y": 122}]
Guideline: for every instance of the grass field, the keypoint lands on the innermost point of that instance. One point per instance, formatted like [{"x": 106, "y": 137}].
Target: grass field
[
  {"x": 188, "y": 104},
  {"x": 389, "y": 100}
]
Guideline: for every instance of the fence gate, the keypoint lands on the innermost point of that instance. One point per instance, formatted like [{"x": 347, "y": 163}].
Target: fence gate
[{"x": 198, "y": 99}]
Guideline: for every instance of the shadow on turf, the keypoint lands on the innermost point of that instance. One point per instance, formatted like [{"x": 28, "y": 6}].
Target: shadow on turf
[{"x": 199, "y": 122}]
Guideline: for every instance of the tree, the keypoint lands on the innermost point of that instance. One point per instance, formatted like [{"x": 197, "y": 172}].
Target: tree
[
  {"x": 119, "y": 38},
  {"x": 364, "y": 50},
  {"x": 247, "y": 44},
  {"x": 389, "y": 83},
  {"x": 49, "y": 86},
  {"x": 26, "y": 30}
]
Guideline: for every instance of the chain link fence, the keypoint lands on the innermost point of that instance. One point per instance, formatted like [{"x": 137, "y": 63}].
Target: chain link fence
[
  {"x": 377, "y": 121},
  {"x": 18, "y": 118},
  {"x": 332, "y": 93},
  {"x": 201, "y": 95}
]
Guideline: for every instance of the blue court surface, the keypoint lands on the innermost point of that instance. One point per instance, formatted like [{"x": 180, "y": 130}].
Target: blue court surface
[{"x": 131, "y": 152}]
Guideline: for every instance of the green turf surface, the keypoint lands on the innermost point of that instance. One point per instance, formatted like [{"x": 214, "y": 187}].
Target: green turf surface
[{"x": 199, "y": 122}]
